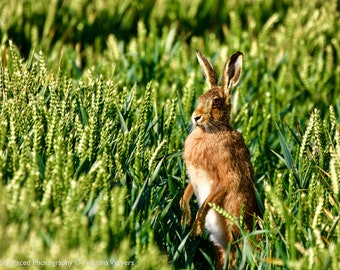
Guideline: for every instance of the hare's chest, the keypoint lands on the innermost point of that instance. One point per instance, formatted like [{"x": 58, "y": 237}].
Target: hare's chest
[{"x": 200, "y": 181}]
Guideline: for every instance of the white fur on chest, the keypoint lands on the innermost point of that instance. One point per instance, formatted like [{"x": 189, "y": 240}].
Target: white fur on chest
[{"x": 201, "y": 183}]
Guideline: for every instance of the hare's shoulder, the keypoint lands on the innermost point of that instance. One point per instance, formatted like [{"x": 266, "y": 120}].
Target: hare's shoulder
[
  {"x": 207, "y": 141},
  {"x": 222, "y": 156}
]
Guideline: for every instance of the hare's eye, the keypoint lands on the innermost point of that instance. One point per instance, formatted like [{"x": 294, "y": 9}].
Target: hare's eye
[{"x": 216, "y": 102}]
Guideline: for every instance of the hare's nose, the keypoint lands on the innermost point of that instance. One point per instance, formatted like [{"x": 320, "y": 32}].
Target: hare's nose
[{"x": 197, "y": 118}]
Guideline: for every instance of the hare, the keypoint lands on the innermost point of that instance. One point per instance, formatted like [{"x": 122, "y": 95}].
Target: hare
[{"x": 218, "y": 163}]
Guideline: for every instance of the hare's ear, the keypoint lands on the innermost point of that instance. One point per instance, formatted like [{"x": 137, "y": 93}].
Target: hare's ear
[
  {"x": 232, "y": 72},
  {"x": 208, "y": 70}
]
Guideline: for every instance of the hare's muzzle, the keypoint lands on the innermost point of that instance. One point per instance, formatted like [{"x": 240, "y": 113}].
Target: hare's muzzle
[{"x": 197, "y": 119}]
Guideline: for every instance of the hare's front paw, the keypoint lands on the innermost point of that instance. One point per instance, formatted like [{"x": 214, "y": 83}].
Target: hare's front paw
[
  {"x": 186, "y": 213},
  {"x": 198, "y": 227}
]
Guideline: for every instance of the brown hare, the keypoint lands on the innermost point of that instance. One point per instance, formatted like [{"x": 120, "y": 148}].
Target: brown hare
[{"x": 218, "y": 163}]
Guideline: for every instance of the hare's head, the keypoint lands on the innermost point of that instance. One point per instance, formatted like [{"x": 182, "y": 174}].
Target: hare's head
[{"x": 213, "y": 109}]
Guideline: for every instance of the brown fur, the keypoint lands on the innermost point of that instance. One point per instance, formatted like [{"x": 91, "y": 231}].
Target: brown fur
[{"x": 218, "y": 163}]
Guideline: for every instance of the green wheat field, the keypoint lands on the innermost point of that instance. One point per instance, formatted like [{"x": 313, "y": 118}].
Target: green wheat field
[{"x": 95, "y": 105}]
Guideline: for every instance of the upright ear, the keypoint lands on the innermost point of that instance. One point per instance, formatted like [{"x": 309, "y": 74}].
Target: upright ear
[
  {"x": 232, "y": 72},
  {"x": 208, "y": 70}
]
